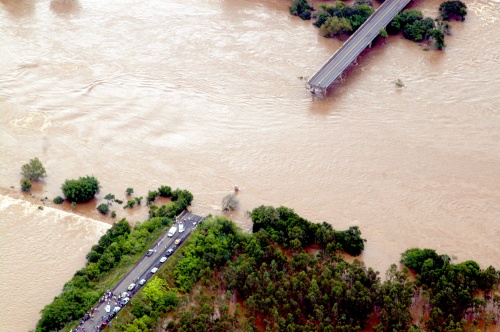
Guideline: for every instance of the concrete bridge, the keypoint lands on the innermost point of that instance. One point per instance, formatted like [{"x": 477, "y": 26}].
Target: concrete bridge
[{"x": 358, "y": 41}]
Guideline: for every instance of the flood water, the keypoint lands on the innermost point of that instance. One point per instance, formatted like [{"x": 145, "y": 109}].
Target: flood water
[{"x": 204, "y": 95}]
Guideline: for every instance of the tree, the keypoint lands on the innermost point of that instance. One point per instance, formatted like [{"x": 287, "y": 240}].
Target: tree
[
  {"x": 25, "y": 185},
  {"x": 301, "y": 8},
  {"x": 109, "y": 198},
  {"x": 130, "y": 191},
  {"x": 81, "y": 190},
  {"x": 229, "y": 202},
  {"x": 165, "y": 191},
  {"x": 454, "y": 8},
  {"x": 438, "y": 37},
  {"x": 33, "y": 170}
]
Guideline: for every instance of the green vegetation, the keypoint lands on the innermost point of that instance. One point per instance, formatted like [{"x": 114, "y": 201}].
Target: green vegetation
[
  {"x": 107, "y": 262},
  {"x": 33, "y": 170},
  {"x": 81, "y": 190},
  {"x": 181, "y": 199},
  {"x": 302, "y": 9},
  {"x": 129, "y": 191},
  {"x": 113, "y": 214},
  {"x": 273, "y": 282},
  {"x": 103, "y": 208},
  {"x": 130, "y": 204},
  {"x": 152, "y": 195},
  {"x": 25, "y": 184},
  {"x": 340, "y": 19},
  {"x": 165, "y": 191},
  {"x": 58, "y": 200},
  {"x": 138, "y": 200},
  {"x": 109, "y": 198},
  {"x": 417, "y": 28},
  {"x": 453, "y": 9}
]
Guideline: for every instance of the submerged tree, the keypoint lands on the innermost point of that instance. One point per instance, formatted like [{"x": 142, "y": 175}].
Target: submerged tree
[
  {"x": 229, "y": 202},
  {"x": 33, "y": 170}
]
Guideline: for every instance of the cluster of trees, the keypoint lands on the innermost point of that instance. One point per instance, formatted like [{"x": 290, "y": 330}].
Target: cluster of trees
[
  {"x": 273, "y": 285},
  {"x": 180, "y": 200},
  {"x": 417, "y": 28},
  {"x": 452, "y": 290},
  {"x": 291, "y": 231},
  {"x": 340, "y": 19}
]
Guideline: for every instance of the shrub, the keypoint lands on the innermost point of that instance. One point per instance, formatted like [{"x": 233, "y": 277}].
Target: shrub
[
  {"x": 33, "y": 170},
  {"x": 119, "y": 201},
  {"x": 81, "y": 190},
  {"x": 130, "y": 191},
  {"x": 130, "y": 204},
  {"x": 138, "y": 200},
  {"x": 25, "y": 185},
  {"x": 58, "y": 200},
  {"x": 103, "y": 208},
  {"x": 113, "y": 214}
]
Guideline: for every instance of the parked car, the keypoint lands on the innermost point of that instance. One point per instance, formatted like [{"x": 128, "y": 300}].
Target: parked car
[
  {"x": 107, "y": 308},
  {"x": 125, "y": 294},
  {"x": 142, "y": 282},
  {"x": 169, "y": 252},
  {"x": 154, "y": 270},
  {"x": 116, "y": 309},
  {"x": 178, "y": 240},
  {"x": 125, "y": 300},
  {"x": 131, "y": 286},
  {"x": 163, "y": 259},
  {"x": 149, "y": 253}
]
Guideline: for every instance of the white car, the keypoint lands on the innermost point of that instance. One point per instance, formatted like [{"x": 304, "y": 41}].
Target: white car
[
  {"x": 125, "y": 300},
  {"x": 131, "y": 286},
  {"x": 163, "y": 259},
  {"x": 124, "y": 294},
  {"x": 116, "y": 309},
  {"x": 142, "y": 282},
  {"x": 107, "y": 308},
  {"x": 154, "y": 270}
]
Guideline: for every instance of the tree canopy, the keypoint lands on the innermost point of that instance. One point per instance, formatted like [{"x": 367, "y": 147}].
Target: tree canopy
[
  {"x": 453, "y": 9},
  {"x": 81, "y": 190},
  {"x": 33, "y": 170}
]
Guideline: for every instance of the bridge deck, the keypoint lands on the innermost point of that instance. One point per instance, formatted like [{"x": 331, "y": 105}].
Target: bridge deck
[{"x": 355, "y": 45}]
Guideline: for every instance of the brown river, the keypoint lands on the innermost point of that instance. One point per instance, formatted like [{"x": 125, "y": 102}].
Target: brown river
[{"x": 205, "y": 95}]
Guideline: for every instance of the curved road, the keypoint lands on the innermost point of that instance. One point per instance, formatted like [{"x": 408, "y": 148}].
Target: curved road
[{"x": 359, "y": 40}]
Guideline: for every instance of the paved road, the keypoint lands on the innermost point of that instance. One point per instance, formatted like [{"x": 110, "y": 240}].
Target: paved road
[
  {"x": 141, "y": 270},
  {"x": 359, "y": 40}
]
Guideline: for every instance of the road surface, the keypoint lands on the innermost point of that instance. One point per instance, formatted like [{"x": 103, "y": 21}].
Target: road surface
[{"x": 141, "y": 270}]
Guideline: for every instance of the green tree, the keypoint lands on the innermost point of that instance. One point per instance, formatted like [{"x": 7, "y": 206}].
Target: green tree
[
  {"x": 129, "y": 191},
  {"x": 301, "y": 8},
  {"x": 453, "y": 9},
  {"x": 25, "y": 185},
  {"x": 438, "y": 37},
  {"x": 33, "y": 170},
  {"x": 81, "y": 190},
  {"x": 335, "y": 26}
]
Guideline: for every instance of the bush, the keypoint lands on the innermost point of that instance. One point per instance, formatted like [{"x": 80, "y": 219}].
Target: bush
[
  {"x": 103, "y": 208},
  {"x": 119, "y": 201},
  {"x": 130, "y": 204},
  {"x": 138, "y": 200},
  {"x": 165, "y": 191},
  {"x": 58, "y": 200},
  {"x": 81, "y": 190},
  {"x": 113, "y": 214},
  {"x": 33, "y": 170},
  {"x": 25, "y": 185},
  {"x": 130, "y": 191}
]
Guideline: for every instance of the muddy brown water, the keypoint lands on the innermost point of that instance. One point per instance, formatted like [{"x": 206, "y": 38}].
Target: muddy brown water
[{"x": 206, "y": 95}]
